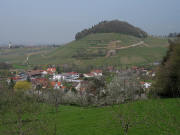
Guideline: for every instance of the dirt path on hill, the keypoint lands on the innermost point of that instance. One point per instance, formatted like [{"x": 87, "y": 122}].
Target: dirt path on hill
[
  {"x": 112, "y": 52},
  {"x": 31, "y": 54},
  {"x": 133, "y": 45},
  {"x": 125, "y": 47}
]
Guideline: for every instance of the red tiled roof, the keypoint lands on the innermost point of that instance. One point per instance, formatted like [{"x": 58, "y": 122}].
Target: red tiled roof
[
  {"x": 110, "y": 68},
  {"x": 134, "y": 67},
  {"x": 97, "y": 71},
  {"x": 72, "y": 73},
  {"x": 34, "y": 72},
  {"x": 142, "y": 83},
  {"x": 15, "y": 78},
  {"x": 90, "y": 74},
  {"x": 43, "y": 70},
  {"x": 41, "y": 81},
  {"x": 54, "y": 83},
  {"x": 51, "y": 70},
  {"x": 63, "y": 87}
]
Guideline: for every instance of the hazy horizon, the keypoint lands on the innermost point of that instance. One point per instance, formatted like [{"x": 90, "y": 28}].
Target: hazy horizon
[{"x": 57, "y": 22}]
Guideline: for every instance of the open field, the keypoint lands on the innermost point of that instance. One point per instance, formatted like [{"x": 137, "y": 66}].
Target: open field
[
  {"x": 150, "y": 117},
  {"x": 19, "y": 55}
]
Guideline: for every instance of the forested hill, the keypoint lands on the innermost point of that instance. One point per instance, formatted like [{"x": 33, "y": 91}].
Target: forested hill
[{"x": 114, "y": 26}]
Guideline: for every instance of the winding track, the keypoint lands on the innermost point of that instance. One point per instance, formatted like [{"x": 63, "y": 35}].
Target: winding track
[
  {"x": 133, "y": 45},
  {"x": 125, "y": 47}
]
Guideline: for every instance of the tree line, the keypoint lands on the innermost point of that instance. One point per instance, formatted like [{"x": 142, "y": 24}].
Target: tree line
[{"x": 168, "y": 76}]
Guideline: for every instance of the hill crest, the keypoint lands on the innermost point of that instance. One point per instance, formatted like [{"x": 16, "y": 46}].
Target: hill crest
[{"x": 114, "y": 26}]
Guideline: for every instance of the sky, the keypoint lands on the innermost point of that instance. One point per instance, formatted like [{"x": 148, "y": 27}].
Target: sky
[{"x": 57, "y": 21}]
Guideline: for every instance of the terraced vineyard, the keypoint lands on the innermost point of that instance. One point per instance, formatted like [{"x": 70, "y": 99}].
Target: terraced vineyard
[{"x": 95, "y": 49}]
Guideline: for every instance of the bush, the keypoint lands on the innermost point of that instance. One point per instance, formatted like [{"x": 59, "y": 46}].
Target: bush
[{"x": 22, "y": 85}]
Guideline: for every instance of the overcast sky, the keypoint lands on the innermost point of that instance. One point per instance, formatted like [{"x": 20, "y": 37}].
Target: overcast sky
[{"x": 57, "y": 21}]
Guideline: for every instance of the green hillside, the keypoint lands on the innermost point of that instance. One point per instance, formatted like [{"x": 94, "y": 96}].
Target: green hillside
[
  {"x": 150, "y": 117},
  {"x": 93, "y": 49},
  {"x": 19, "y": 55}
]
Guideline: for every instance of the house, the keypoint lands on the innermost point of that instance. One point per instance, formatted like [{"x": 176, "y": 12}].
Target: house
[
  {"x": 22, "y": 74},
  {"x": 72, "y": 80},
  {"x": 44, "y": 72},
  {"x": 58, "y": 77},
  {"x": 51, "y": 70},
  {"x": 97, "y": 72},
  {"x": 43, "y": 82},
  {"x": 135, "y": 68},
  {"x": 66, "y": 76},
  {"x": 110, "y": 68},
  {"x": 15, "y": 79},
  {"x": 56, "y": 85},
  {"x": 145, "y": 85},
  {"x": 93, "y": 73},
  {"x": 61, "y": 77},
  {"x": 34, "y": 73},
  {"x": 89, "y": 75},
  {"x": 142, "y": 83},
  {"x": 153, "y": 74},
  {"x": 82, "y": 86},
  {"x": 74, "y": 75}
]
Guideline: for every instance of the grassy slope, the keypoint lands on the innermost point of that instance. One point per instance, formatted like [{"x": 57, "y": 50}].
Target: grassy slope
[
  {"x": 152, "y": 117},
  {"x": 138, "y": 55},
  {"x": 64, "y": 54},
  {"x": 103, "y": 121},
  {"x": 67, "y": 51},
  {"x": 19, "y": 55}
]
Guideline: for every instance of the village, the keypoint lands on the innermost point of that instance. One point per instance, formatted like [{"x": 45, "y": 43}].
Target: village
[{"x": 79, "y": 82}]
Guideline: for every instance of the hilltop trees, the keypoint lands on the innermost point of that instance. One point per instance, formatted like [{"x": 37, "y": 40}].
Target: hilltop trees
[{"x": 114, "y": 26}]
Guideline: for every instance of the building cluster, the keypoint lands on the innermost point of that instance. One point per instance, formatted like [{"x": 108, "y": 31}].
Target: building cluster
[
  {"x": 144, "y": 73},
  {"x": 49, "y": 78},
  {"x": 43, "y": 79}
]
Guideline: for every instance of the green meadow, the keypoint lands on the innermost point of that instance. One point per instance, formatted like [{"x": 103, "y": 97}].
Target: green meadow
[{"x": 150, "y": 117}]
